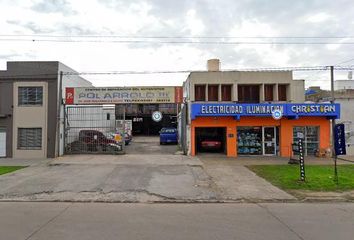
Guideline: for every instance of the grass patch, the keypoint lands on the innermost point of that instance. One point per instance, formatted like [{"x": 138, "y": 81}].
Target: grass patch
[
  {"x": 318, "y": 178},
  {"x": 8, "y": 169}
]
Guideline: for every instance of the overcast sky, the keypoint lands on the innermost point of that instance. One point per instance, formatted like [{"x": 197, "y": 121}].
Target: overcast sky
[{"x": 177, "y": 18}]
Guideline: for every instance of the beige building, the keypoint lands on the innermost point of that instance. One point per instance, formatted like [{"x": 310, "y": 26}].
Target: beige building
[
  {"x": 232, "y": 112},
  {"x": 32, "y": 110}
]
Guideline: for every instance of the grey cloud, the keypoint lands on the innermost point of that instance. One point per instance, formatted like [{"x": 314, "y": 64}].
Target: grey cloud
[
  {"x": 34, "y": 27},
  {"x": 54, "y": 6},
  {"x": 74, "y": 29}
]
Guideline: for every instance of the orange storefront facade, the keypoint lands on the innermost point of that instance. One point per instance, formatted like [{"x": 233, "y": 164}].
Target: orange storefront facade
[{"x": 252, "y": 129}]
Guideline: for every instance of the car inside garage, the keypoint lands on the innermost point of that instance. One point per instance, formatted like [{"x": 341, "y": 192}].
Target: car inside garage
[{"x": 210, "y": 139}]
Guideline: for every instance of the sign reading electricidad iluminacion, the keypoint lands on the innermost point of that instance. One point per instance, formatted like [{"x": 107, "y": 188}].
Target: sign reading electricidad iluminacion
[{"x": 277, "y": 111}]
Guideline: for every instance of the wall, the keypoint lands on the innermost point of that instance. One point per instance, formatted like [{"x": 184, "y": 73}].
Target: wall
[
  {"x": 343, "y": 84},
  {"x": 347, "y": 117}
]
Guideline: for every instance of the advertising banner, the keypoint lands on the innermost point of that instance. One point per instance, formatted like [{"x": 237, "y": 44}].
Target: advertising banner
[
  {"x": 339, "y": 140},
  {"x": 116, "y": 95}
]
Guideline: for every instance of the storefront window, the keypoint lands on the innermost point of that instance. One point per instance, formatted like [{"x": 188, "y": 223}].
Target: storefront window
[
  {"x": 311, "y": 138},
  {"x": 249, "y": 140}
]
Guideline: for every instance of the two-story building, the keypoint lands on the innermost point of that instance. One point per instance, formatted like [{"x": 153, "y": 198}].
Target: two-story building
[
  {"x": 32, "y": 110},
  {"x": 252, "y": 113}
]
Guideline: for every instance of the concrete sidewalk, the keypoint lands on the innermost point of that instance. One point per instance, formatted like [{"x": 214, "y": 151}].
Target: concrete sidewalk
[
  {"x": 128, "y": 159},
  {"x": 267, "y": 160}
]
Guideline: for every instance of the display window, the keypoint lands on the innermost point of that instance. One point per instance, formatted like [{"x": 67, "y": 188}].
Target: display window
[
  {"x": 311, "y": 138},
  {"x": 249, "y": 141}
]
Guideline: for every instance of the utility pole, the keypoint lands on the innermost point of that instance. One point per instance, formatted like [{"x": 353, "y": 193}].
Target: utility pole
[
  {"x": 333, "y": 126},
  {"x": 60, "y": 103}
]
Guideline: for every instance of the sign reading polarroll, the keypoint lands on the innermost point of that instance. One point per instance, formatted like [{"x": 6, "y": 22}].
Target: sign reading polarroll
[{"x": 112, "y": 95}]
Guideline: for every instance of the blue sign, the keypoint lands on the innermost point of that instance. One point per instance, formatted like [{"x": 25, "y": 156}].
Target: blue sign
[
  {"x": 289, "y": 110},
  {"x": 339, "y": 140}
]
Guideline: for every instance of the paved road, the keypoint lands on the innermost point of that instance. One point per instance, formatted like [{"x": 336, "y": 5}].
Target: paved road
[{"x": 43, "y": 221}]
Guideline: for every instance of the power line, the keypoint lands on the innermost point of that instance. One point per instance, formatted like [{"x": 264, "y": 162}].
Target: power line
[
  {"x": 175, "y": 37},
  {"x": 175, "y": 42},
  {"x": 294, "y": 69}
]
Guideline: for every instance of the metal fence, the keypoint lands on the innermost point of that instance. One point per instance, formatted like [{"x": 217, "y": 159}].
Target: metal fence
[{"x": 91, "y": 129}]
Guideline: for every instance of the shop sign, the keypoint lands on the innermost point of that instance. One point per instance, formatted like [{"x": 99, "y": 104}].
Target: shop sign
[
  {"x": 112, "y": 95},
  {"x": 289, "y": 110}
]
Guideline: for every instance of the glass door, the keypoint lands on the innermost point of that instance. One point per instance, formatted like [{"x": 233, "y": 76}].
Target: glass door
[{"x": 269, "y": 141}]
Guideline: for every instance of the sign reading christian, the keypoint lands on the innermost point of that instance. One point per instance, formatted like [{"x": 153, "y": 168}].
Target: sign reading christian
[{"x": 113, "y": 95}]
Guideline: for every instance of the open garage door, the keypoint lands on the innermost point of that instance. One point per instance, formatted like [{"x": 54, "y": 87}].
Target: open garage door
[{"x": 210, "y": 139}]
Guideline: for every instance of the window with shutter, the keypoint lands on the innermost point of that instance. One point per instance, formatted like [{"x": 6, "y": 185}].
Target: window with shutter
[
  {"x": 29, "y": 96},
  {"x": 226, "y": 92},
  {"x": 248, "y": 93},
  {"x": 282, "y": 88},
  {"x": 268, "y": 92},
  {"x": 29, "y": 138},
  {"x": 199, "y": 92},
  {"x": 213, "y": 92}
]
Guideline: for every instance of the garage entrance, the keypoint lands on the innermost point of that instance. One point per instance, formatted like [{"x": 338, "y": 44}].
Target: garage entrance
[
  {"x": 210, "y": 139},
  {"x": 91, "y": 129}
]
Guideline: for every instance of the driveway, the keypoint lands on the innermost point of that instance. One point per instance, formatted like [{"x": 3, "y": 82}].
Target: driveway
[
  {"x": 137, "y": 178},
  {"x": 149, "y": 145}
]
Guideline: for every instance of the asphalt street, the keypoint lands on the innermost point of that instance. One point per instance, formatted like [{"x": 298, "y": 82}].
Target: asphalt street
[{"x": 105, "y": 221}]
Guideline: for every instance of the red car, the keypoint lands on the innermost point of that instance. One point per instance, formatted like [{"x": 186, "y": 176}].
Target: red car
[{"x": 211, "y": 144}]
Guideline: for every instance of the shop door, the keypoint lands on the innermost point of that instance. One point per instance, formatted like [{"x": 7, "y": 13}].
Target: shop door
[
  {"x": 269, "y": 141},
  {"x": 2, "y": 143}
]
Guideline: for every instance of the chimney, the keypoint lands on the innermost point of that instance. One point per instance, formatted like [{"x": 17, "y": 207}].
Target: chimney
[{"x": 213, "y": 65}]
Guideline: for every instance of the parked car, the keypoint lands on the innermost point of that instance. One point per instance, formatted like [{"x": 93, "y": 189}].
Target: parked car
[
  {"x": 168, "y": 135},
  {"x": 94, "y": 141},
  {"x": 211, "y": 144},
  {"x": 128, "y": 138}
]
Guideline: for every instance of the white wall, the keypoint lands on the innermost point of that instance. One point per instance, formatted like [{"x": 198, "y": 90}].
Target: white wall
[
  {"x": 347, "y": 117},
  {"x": 343, "y": 84}
]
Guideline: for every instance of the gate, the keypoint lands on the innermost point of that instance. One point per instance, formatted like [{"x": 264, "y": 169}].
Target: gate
[{"x": 91, "y": 129}]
